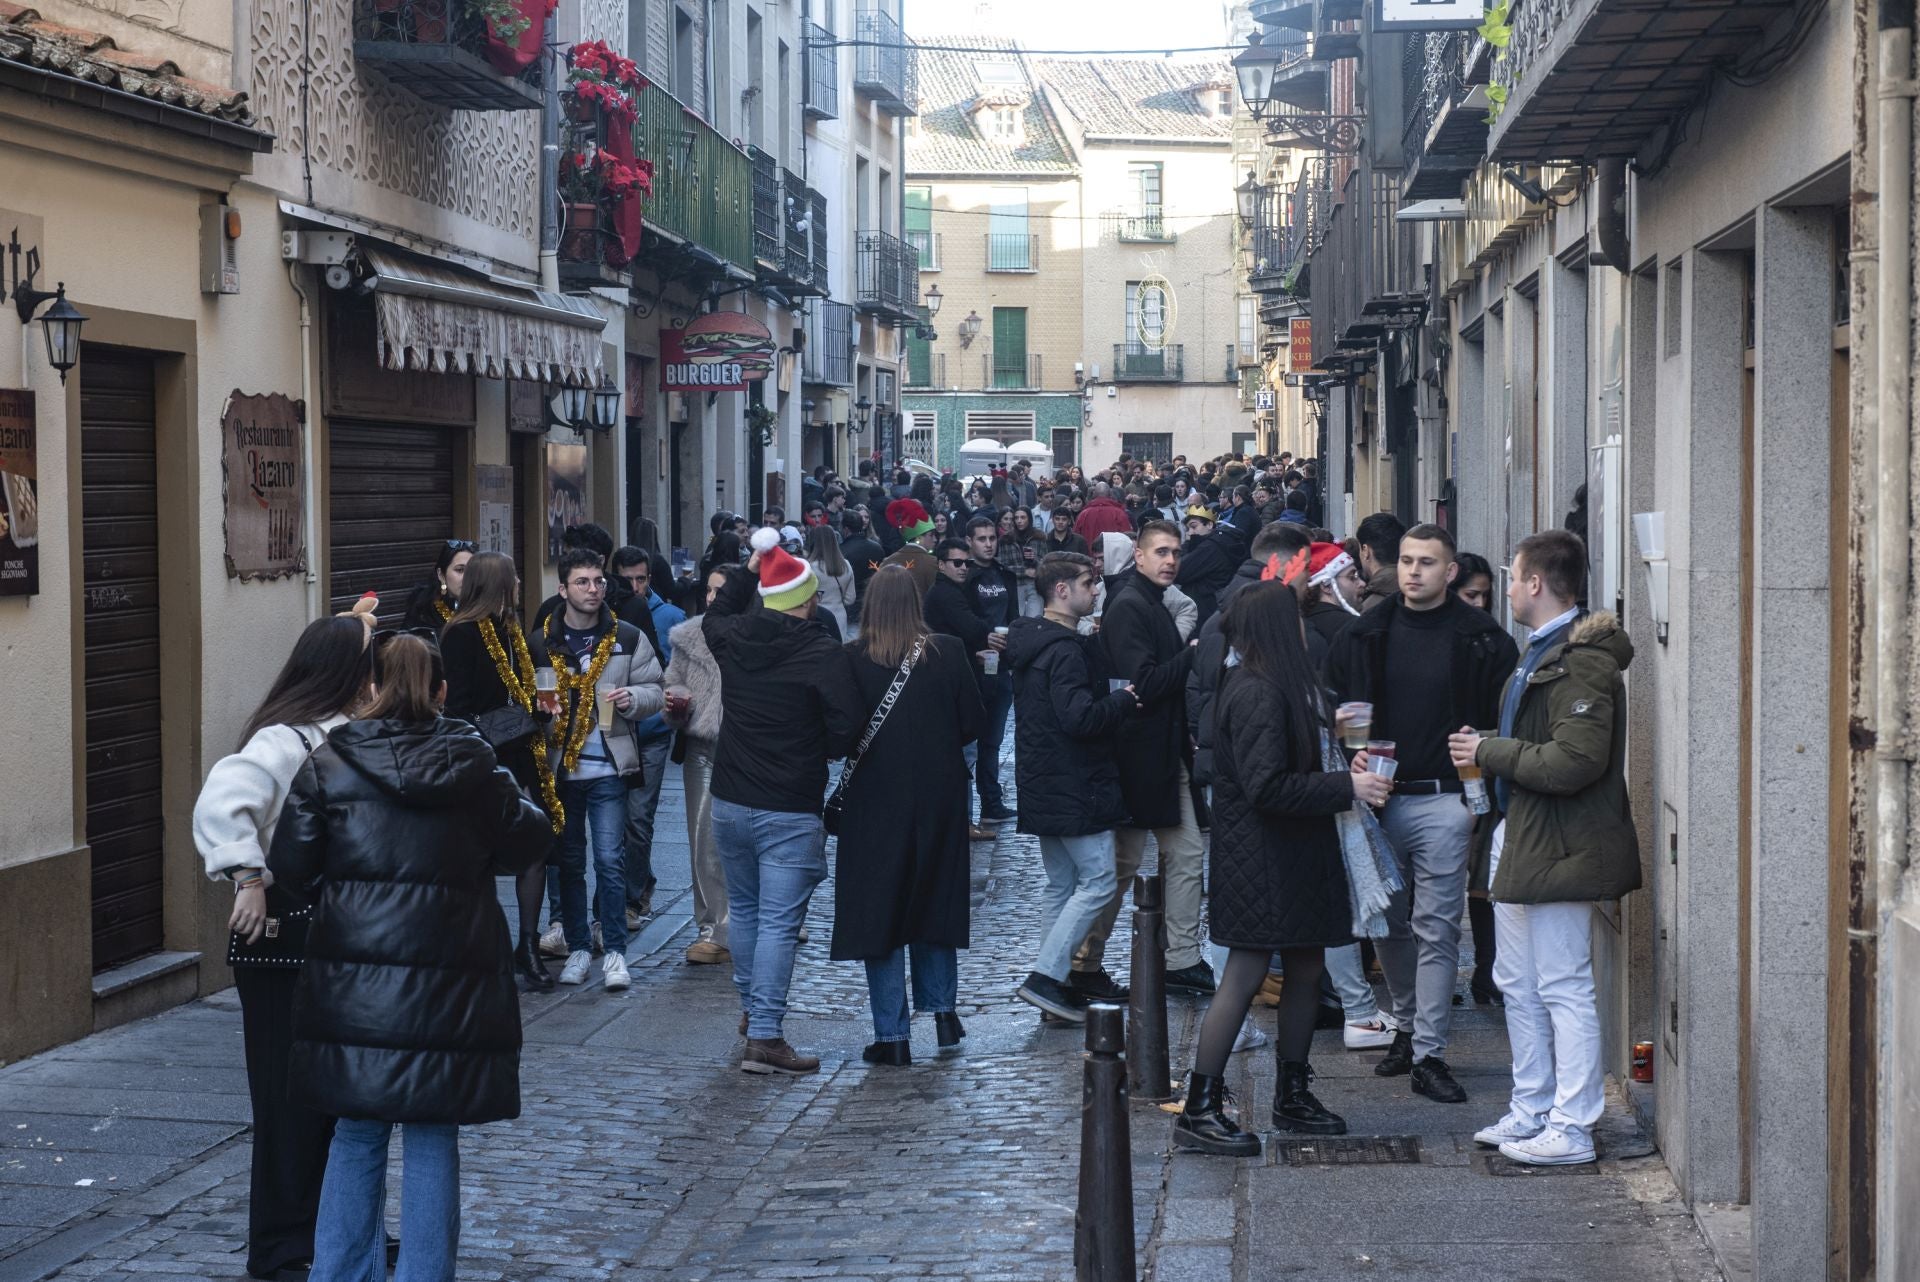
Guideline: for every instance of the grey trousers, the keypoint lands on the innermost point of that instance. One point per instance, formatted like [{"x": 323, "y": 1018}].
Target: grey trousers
[
  {"x": 1421, "y": 954},
  {"x": 709, "y": 877}
]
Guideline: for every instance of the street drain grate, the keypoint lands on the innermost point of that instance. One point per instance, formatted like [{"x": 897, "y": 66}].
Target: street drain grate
[{"x": 1345, "y": 1150}]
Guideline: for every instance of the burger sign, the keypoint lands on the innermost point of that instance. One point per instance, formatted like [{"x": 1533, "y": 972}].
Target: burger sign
[{"x": 718, "y": 352}]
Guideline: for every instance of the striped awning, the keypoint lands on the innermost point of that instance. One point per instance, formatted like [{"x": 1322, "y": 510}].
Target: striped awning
[{"x": 439, "y": 318}]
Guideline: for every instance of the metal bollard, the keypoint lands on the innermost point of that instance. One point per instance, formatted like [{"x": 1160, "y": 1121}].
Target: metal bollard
[
  {"x": 1103, "y": 1219},
  {"x": 1147, "y": 994}
]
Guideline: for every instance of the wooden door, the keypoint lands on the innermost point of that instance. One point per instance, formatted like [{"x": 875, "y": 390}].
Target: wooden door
[{"x": 120, "y": 552}]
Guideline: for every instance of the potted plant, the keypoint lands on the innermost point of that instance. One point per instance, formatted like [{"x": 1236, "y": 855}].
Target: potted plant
[
  {"x": 761, "y": 419},
  {"x": 514, "y": 29},
  {"x": 597, "y": 187}
]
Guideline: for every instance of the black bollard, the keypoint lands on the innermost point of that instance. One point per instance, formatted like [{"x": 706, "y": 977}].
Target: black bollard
[
  {"x": 1103, "y": 1220},
  {"x": 1147, "y": 994}
]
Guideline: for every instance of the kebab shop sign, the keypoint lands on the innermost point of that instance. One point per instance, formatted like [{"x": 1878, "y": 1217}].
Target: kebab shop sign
[{"x": 718, "y": 352}]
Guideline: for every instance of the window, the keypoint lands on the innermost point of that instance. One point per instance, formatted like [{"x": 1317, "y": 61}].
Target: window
[
  {"x": 1146, "y": 317},
  {"x": 1001, "y": 124},
  {"x": 919, "y": 227},
  {"x": 862, "y": 201},
  {"x": 998, "y": 73},
  {"x": 756, "y": 80},
  {"x": 1010, "y": 348},
  {"x": 886, "y": 201},
  {"x": 1156, "y": 447},
  {"x": 1249, "y": 328},
  {"x": 1145, "y": 176},
  {"x": 686, "y": 58},
  {"x": 918, "y": 442},
  {"x": 1004, "y": 426},
  {"x": 1009, "y": 245}
]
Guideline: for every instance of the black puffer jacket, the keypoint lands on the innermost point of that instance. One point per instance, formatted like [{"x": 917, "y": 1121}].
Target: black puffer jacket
[
  {"x": 1208, "y": 564},
  {"x": 1277, "y": 879},
  {"x": 1143, "y": 647},
  {"x": 1065, "y": 723},
  {"x": 789, "y": 698},
  {"x": 406, "y": 1010}
]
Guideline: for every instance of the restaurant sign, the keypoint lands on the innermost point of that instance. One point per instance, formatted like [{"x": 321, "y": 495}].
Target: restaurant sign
[
  {"x": 261, "y": 455},
  {"x": 19, "y": 496},
  {"x": 718, "y": 352}
]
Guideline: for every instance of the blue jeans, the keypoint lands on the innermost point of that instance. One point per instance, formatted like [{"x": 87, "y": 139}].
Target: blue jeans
[
  {"x": 1347, "y": 972},
  {"x": 350, "y": 1237},
  {"x": 936, "y": 987},
  {"x": 1080, "y": 885},
  {"x": 603, "y": 804},
  {"x": 773, "y": 859},
  {"x": 983, "y": 756},
  {"x": 642, "y": 802}
]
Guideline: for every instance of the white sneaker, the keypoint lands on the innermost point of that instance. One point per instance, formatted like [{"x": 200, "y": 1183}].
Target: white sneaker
[
  {"x": 614, "y": 968},
  {"x": 1250, "y": 1038},
  {"x": 554, "y": 942},
  {"x": 575, "y": 971},
  {"x": 1368, "y": 1034},
  {"x": 1550, "y": 1147},
  {"x": 1511, "y": 1128}
]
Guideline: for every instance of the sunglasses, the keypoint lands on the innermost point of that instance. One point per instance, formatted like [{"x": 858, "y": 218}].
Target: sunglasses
[
  {"x": 383, "y": 635},
  {"x": 960, "y": 561},
  {"x": 462, "y": 545}
]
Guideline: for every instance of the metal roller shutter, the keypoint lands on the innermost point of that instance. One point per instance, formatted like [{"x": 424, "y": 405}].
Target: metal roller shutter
[
  {"x": 390, "y": 508},
  {"x": 119, "y": 504}
]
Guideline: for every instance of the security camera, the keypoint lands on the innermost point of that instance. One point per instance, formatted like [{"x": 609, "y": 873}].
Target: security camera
[{"x": 339, "y": 276}]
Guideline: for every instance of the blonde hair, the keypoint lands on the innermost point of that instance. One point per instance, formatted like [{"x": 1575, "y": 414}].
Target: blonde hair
[
  {"x": 891, "y": 618},
  {"x": 408, "y": 680}
]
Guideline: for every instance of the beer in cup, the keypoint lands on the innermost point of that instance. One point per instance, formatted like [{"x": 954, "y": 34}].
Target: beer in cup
[{"x": 1359, "y": 723}]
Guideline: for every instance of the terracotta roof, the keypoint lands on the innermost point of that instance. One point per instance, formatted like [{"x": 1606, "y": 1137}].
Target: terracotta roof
[
  {"x": 29, "y": 39},
  {"x": 945, "y": 139},
  {"x": 1139, "y": 97}
]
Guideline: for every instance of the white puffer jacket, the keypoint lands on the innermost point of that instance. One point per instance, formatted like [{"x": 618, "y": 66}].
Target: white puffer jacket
[{"x": 240, "y": 802}]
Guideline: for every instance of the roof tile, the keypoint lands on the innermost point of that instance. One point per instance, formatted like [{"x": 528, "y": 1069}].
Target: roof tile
[
  {"x": 1139, "y": 97},
  {"x": 28, "y": 39},
  {"x": 945, "y": 139}
]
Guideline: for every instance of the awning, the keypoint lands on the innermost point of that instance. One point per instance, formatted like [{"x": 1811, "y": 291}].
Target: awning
[{"x": 437, "y": 318}]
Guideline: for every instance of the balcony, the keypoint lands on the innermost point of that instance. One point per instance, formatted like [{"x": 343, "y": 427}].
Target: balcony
[
  {"x": 889, "y": 277},
  {"x": 1596, "y": 79},
  {"x": 1012, "y": 252},
  {"x": 821, "y": 96},
  {"x": 1445, "y": 137},
  {"x": 828, "y": 357},
  {"x": 797, "y": 246},
  {"x": 1267, "y": 241},
  {"x": 789, "y": 228},
  {"x": 886, "y": 67},
  {"x": 702, "y": 184},
  {"x": 436, "y": 50},
  {"x": 1148, "y": 227},
  {"x": 1015, "y": 371},
  {"x": 927, "y": 245},
  {"x": 926, "y": 368},
  {"x": 1365, "y": 273},
  {"x": 1138, "y": 363},
  {"x": 768, "y": 240},
  {"x": 1309, "y": 205}
]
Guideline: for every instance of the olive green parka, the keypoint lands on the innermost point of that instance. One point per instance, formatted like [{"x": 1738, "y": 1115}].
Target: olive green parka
[{"x": 1570, "y": 833}]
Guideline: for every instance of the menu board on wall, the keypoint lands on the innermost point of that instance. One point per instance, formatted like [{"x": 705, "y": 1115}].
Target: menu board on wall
[
  {"x": 261, "y": 450},
  {"x": 19, "y": 496},
  {"x": 566, "y": 492},
  {"x": 495, "y": 486}
]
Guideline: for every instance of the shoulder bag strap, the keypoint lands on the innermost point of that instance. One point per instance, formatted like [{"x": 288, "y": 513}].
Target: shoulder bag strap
[{"x": 879, "y": 719}]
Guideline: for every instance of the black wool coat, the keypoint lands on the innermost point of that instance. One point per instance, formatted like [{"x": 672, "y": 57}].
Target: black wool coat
[
  {"x": 901, "y": 865},
  {"x": 1065, "y": 724},
  {"x": 406, "y": 1010},
  {"x": 1143, "y": 646},
  {"x": 474, "y": 687},
  {"x": 1277, "y": 878}
]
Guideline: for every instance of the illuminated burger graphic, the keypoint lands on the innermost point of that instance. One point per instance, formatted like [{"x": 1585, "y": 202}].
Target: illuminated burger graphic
[{"x": 723, "y": 349}]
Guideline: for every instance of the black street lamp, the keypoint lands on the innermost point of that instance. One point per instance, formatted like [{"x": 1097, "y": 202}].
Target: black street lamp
[
  {"x": 862, "y": 414},
  {"x": 933, "y": 301},
  {"x": 60, "y": 324},
  {"x": 606, "y": 405},
  {"x": 1255, "y": 67}
]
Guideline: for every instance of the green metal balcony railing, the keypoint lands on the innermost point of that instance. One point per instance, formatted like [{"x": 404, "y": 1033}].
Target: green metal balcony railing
[{"x": 702, "y": 184}]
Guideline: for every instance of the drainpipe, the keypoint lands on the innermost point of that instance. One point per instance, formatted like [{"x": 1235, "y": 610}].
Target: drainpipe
[
  {"x": 309, "y": 447},
  {"x": 550, "y": 162}
]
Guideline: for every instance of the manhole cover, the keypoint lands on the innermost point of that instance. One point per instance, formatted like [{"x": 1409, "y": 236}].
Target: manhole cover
[{"x": 1344, "y": 1150}]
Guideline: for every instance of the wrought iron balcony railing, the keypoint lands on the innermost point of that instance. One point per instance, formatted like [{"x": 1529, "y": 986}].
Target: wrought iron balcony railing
[
  {"x": 1017, "y": 371},
  {"x": 1445, "y": 134},
  {"x": 1365, "y": 271},
  {"x": 887, "y": 68},
  {"x": 822, "y": 98},
  {"x": 829, "y": 352},
  {"x": 702, "y": 183},
  {"x": 768, "y": 198},
  {"x": 1138, "y": 363},
  {"x": 1308, "y": 205},
  {"x": 1012, "y": 252},
  {"x": 1148, "y": 225},
  {"x": 797, "y": 212},
  {"x": 889, "y": 276},
  {"x": 437, "y": 50}
]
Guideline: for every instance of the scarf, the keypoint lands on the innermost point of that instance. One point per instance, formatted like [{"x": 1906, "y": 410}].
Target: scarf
[{"x": 1372, "y": 877}]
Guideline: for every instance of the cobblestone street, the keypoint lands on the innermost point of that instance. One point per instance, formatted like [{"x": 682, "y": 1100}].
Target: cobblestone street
[{"x": 643, "y": 1153}]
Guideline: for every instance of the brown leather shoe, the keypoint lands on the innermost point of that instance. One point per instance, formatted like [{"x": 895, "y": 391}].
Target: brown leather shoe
[
  {"x": 704, "y": 952},
  {"x": 775, "y": 1056},
  {"x": 976, "y": 833}
]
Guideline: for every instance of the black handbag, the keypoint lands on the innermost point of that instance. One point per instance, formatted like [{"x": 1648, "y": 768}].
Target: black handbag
[
  {"x": 505, "y": 726},
  {"x": 283, "y": 938},
  {"x": 833, "y": 814}
]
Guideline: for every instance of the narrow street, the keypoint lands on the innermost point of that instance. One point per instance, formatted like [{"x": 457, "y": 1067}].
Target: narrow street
[{"x": 642, "y": 1153}]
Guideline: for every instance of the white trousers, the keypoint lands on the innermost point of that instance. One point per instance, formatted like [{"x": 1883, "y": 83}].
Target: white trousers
[{"x": 1544, "y": 970}]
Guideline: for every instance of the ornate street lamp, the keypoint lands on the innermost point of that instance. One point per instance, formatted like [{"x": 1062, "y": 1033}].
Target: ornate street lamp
[
  {"x": 572, "y": 405},
  {"x": 969, "y": 328},
  {"x": 862, "y": 414},
  {"x": 60, "y": 324},
  {"x": 1247, "y": 194},
  {"x": 933, "y": 301},
  {"x": 1255, "y": 67}
]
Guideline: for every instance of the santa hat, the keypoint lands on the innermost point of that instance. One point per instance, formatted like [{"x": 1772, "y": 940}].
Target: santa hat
[
  {"x": 785, "y": 580},
  {"x": 1328, "y": 562},
  {"x": 908, "y": 517}
]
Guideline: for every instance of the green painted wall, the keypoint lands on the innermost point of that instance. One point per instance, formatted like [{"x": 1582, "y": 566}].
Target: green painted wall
[{"x": 951, "y": 413}]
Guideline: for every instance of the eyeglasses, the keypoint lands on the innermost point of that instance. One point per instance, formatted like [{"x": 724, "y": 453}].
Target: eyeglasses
[
  {"x": 462, "y": 545},
  {"x": 588, "y": 583}
]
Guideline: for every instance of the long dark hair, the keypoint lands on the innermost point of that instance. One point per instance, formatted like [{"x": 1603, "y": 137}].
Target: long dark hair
[
  {"x": 891, "y": 616},
  {"x": 325, "y": 675},
  {"x": 488, "y": 589},
  {"x": 1262, "y": 627}
]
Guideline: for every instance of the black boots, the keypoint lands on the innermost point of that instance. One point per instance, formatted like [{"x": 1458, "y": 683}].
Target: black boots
[
  {"x": 1480, "y": 917},
  {"x": 526, "y": 961},
  {"x": 890, "y": 1054},
  {"x": 1204, "y": 1125},
  {"x": 1295, "y": 1108},
  {"x": 947, "y": 1026},
  {"x": 1399, "y": 1060},
  {"x": 1433, "y": 1079}
]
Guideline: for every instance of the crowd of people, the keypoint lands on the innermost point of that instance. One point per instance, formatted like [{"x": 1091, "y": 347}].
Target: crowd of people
[{"x": 1303, "y": 728}]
